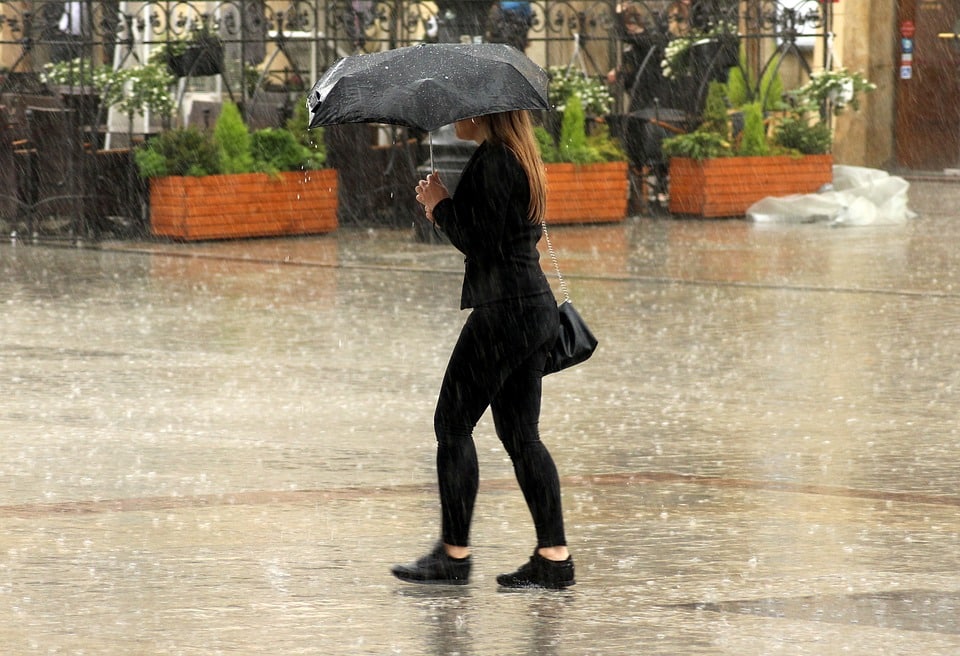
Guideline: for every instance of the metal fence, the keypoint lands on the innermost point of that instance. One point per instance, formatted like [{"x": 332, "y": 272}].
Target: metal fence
[{"x": 267, "y": 54}]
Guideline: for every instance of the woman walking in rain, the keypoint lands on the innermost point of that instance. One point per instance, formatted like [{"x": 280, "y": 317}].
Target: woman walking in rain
[{"x": 494, "y": 219}]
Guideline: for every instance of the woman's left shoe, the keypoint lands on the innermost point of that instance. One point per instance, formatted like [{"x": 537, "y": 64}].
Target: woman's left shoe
[
  {"x": 436, "y": 567},
  {"x": 539, "y": 572}
]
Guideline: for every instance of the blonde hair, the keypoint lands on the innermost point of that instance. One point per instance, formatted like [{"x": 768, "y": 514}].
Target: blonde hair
[{"x": 515, "y": 131}]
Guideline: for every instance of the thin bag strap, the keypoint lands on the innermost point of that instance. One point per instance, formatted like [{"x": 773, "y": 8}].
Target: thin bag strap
[{"x": 553, "y": 258}]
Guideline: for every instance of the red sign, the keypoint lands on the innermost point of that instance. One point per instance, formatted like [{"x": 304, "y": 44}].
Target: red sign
[{"x": 907, "y": 29}]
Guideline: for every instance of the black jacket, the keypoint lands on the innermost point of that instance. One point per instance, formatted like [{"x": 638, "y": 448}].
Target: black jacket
[{"x": 487, "y": 221}]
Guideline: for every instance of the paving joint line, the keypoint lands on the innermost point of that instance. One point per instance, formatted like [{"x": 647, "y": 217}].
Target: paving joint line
[
  {"x": 910, "y": 293},
  {"x": 312, "y": 496}
]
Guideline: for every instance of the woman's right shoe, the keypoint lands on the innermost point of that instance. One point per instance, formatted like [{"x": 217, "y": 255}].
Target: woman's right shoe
[
  {"x": 436, "y": 567},
  {"x": 540, "y": 572}
]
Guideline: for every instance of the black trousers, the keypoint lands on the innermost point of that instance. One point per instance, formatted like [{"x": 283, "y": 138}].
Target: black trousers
[{"x": 498, "y": 363}]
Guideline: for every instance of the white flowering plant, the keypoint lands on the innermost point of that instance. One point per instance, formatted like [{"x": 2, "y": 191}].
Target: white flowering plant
[
  {"x": 146, "y": 87},
  {"x": 838, "y": 89},
  {"x": 806, "y": 125},
  {"x": 565, "y": 81},
  {"x": 130, "y": 90}
]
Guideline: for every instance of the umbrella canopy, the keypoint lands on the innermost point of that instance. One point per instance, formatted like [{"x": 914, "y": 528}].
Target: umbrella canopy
[{"x": 428, "y": 85}]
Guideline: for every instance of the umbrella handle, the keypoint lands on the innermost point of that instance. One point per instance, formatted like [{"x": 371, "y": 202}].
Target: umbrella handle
[{"x": 430, "y": 137}]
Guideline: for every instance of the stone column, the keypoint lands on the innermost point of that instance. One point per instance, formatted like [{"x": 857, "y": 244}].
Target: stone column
[{"x": 866, "y": 42}]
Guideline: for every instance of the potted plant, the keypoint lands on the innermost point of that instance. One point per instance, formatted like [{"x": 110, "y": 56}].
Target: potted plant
[
  {"x": 201, "y": 53},
  {"x": 133, "y": 91},
  {"x": 832, "y": 92},
  {"x": 587, "y": 177},
  {"x": 718, "y": 171},
  {"x": 231, "y": 183},
  {"x": 693, "y": 54},
  {"x": 565, "y": 82}
]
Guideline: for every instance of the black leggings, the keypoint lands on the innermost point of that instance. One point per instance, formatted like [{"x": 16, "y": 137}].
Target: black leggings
[{"x": 498, "y": 362}]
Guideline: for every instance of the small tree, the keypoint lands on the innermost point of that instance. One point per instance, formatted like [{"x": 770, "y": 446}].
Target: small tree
[
  {"x": 233, "y": 140},
  {"x": 753, "y": 141},
  {"x": 574, "y": 145},
  {"x": 715, "y": 110},
  {"x": 573, "y": 134}
]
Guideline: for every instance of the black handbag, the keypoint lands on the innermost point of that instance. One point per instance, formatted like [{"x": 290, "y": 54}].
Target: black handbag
[{"x": 575, "y": 342}]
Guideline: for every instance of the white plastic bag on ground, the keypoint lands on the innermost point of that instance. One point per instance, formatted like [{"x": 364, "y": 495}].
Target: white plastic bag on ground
[{"x": 858, "y": 196}]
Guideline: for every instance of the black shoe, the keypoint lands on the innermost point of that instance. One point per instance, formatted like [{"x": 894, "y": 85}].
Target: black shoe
[
  {"x": 540, "y": 572},
  {"x": 435, "y": 567}
]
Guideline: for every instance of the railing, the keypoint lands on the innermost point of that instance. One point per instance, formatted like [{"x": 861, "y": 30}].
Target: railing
[
  {"x": 273, "y": 51},
  {"x": 291, "y": 42}
]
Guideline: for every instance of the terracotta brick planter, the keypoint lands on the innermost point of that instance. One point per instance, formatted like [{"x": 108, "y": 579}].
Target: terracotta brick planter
[
  {"x": 244, "y": 205},
  {"x": 727, "y": 186},
  {"x": 587, "y": 193}
]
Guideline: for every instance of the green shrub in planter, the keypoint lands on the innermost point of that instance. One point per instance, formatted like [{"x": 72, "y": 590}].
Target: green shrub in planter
[
  {"x": 697, "y": 145},
  {"x": 753, "y": 140},
  {"x": 274, "y": 150},
  {"x": 185, "y": 151},
  {"x": 573, "y": 134},
  {"x": 548, "y": 149},
  {"x": 796, "y": 134},
  {"x": 575, "y": 145},
  {"x": 608, "y": 148},
  {"x": 233, "y": 139},
  {"x": 232, "y": 148}
]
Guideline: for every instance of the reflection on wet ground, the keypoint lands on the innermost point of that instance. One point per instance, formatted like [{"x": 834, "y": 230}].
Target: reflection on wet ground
[{"x": 221, "y": 447}]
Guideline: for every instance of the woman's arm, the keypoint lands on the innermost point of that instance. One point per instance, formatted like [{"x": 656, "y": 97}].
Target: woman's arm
[{"x": 475, "y": 218}]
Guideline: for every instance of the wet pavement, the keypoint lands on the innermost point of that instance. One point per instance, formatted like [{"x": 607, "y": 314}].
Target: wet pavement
[{"x": 220, "y": 448}]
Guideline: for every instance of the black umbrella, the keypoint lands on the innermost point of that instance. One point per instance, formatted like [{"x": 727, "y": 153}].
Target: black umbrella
[{"x": 428, "y": 85}]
